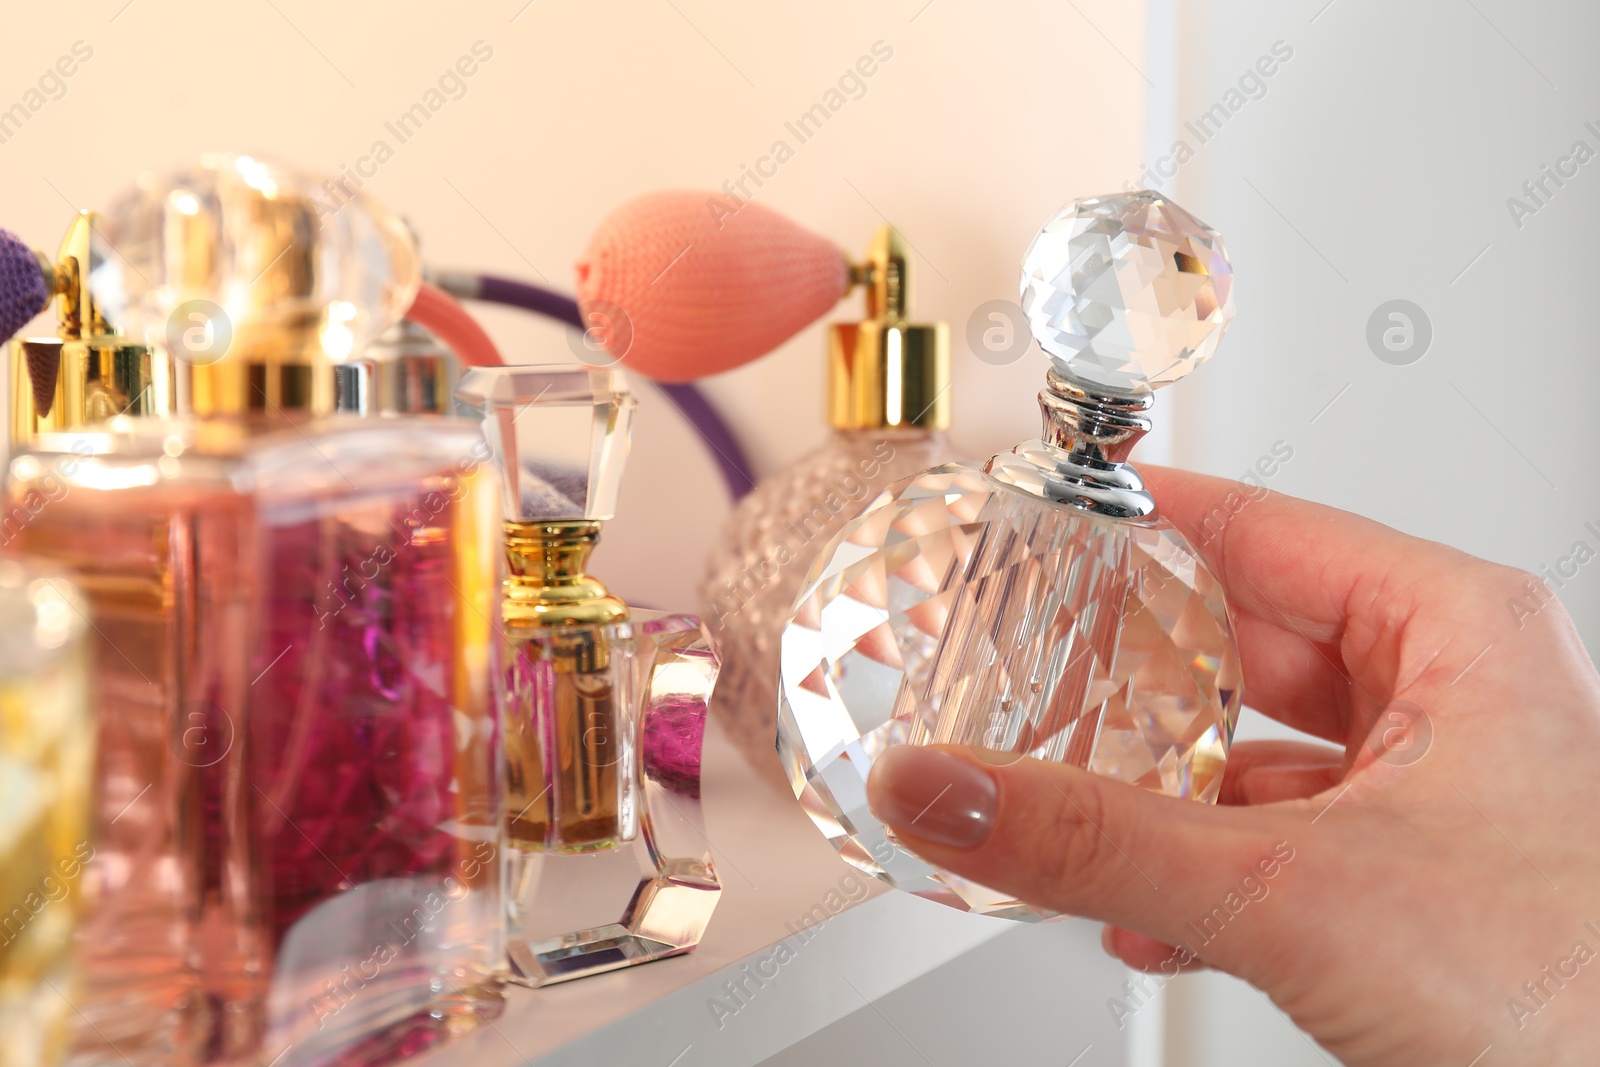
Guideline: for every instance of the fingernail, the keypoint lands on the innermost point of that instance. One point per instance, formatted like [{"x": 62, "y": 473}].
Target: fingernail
[{"x": 924, "y": 793}]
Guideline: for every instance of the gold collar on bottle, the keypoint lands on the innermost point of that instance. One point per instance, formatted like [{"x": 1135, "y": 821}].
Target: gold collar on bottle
[{"x": 886, "y": 372}]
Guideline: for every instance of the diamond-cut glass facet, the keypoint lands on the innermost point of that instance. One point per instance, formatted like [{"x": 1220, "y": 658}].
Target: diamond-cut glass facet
[
  {"x": 564, "y": 460},
  {"x": 1127, "y": 293},
  {"x": 961, "y": 610}
]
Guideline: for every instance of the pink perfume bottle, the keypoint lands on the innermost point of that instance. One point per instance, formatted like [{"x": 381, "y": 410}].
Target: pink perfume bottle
[
  {"x": 889, "y": 407},
  {"x": 295, "y": 612},
  {"x": 46, "y": 759}
]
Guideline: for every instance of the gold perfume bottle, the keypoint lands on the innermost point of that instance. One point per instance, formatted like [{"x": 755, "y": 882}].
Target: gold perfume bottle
[
  {"x": 603, "y": 707},
  {"x": 89, "y": 372},
  {"x": 570, "y": 747},
  {"x": 141, "y": 892},
  {"x": 46, "y": 758}
]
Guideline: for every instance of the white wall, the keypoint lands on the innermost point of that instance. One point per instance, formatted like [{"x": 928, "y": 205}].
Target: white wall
[{"x": 1377, "y": 166}]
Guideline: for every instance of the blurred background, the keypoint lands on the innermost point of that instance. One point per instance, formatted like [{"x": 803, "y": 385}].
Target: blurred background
[{"x": 1401, "y": 188}]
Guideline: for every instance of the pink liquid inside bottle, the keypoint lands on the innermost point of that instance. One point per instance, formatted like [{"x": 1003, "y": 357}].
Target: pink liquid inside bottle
[
  {"x": 299, "y": 785},
  {"x": 300, "y": 791}
]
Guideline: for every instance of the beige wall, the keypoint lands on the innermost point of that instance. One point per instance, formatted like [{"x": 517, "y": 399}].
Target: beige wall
[{"x": 982, "y": 122}]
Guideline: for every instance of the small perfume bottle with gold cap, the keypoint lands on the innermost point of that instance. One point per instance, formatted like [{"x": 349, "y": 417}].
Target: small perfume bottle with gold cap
[
  {"x": 89, "y": 372},
  {"x": 888, "y": 407},
  {"x": 604, "y": 706},
  {"x": 299, "y": 776}
]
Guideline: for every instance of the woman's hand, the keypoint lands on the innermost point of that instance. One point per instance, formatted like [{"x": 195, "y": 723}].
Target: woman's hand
[{"x": 1427, "y": 892}]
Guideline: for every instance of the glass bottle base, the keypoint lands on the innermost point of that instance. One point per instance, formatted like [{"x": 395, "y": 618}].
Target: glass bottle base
[{"x": 662, "y": 670}]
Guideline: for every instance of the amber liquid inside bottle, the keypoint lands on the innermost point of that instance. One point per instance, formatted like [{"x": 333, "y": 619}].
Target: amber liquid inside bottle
[
  {"x": 568, "y": 744},
  {"x": 568, "y": 703}
]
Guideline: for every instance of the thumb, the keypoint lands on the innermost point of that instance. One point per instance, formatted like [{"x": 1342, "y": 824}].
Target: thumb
[{"x": 1191, "y": 875}]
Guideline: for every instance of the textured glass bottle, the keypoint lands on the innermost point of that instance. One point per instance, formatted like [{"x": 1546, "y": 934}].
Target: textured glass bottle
[
  {"x": 888, "y": 406},
  {"x": 295, "y": 610},
  {"x": 46, "y": 758},
  {"x": 1036, "y": 606},
  {"x": 604, "y": 706}
]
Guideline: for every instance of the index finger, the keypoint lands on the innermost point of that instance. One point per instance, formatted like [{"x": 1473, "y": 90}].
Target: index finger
[{"x": 1308, "y": 574}]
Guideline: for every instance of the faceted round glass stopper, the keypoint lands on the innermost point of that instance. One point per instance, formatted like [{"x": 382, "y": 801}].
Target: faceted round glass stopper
[
  {"x": 958, "y": 609},
  {"x": 1127, "y": 293},
  {"x": 274, "y": 263}
]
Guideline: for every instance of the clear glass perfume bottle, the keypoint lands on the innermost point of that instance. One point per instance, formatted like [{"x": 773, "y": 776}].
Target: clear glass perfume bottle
[
  {"x": 888, "y": 407},
  {"x": 1038, "y": 605},
  {"x": 294, "y": 609},
  {"x": 604, "y": 706},
  {"x": 46, "y": 759}
]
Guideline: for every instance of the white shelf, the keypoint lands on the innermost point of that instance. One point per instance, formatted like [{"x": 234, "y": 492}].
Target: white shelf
[{"x": 776, "y": 868}]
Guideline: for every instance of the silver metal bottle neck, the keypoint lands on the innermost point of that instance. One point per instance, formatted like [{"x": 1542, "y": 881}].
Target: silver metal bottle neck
[{"x": 1080, "y": 458}]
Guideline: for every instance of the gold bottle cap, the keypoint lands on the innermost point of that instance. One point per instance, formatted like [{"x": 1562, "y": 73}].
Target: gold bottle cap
[
  {"x": 886, "y": 372},
  {"x": 259, "y": 278},
  {"x": 88, "y": 373},
  {"x": 276, "y": 347},
  {"x": 549, "y": 585}
]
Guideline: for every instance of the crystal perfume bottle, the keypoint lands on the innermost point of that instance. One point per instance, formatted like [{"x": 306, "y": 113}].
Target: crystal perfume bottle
[
  {"x": 46, "y": 759},
  {"x": 604, "y": 706},
  {"x": 300, "y": 777},
  {"x": 888, "y": 409},
  {"x": 1037, "y": 606}
]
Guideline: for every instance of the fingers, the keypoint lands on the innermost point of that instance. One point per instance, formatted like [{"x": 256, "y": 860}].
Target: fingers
[
  {"x": 1146, "y": 953},
  {"x": 1305, "y": 568},
  {"x": 1292, "y": 680},
  {"x": 1266, "y": 772},
  {"x": 1064, "y": 839}
]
